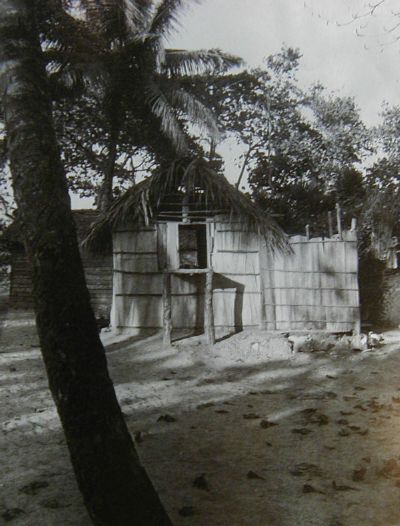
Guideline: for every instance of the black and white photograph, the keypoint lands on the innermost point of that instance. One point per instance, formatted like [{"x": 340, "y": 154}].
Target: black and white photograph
[{"x": 199, "y": 263}]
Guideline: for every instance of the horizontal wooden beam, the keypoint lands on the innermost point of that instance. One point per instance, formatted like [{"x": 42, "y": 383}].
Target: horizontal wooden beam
[{"x": 188, "y": 271}]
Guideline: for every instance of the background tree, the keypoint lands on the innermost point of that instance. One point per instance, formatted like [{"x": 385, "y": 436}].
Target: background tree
[
  {"x": 303, "y": 147},
  {"x": 131, "y": 81},
  {"x": 115, "y": 487}
]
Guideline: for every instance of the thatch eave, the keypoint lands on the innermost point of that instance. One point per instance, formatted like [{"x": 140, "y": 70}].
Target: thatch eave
[{"x": 139, "y": 204}]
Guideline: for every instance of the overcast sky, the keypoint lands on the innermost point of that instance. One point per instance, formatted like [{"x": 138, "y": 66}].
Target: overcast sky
[
  {"x": 346, "y": 51},
  {"x": 365, "y": 66}
]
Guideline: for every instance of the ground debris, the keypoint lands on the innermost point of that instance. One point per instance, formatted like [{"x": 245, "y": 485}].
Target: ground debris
[
  {"x": 53, "y": 504},
  {"x": 342, "y": 487},
  {"x": 265, "y": 424},
  {"x": 33, "y": 487},
  {"x": 205, "y": 405},
  {"x": 186, "y": 511},
  {"x": 251, "y": 416},
  {"x": 307, "y": 488},
  {"x": 200, "y": 482},
  {"x": 253, "y": 475},
  {"x": 391, "y": 469},
  {"x": 359, "y": 474},
  {"x": 166, "y": 418},
  {"x": 301, "y": 431},
  {"x": 302, "y": 469},
  {"x": 11, "y": 514}
]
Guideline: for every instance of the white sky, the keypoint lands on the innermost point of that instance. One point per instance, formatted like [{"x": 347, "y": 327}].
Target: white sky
[{"x": 366, "y": 67}]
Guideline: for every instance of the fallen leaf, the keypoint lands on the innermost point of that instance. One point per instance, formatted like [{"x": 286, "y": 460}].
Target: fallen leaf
[
  {"x": 307, "y": 488},
  {"x": 53, "y": 504},
  {"x": 391, "y": 469},
  {"x": 251, "y": 416},
  {"x": 222, "y": 411},
  {"x": 301, "y": 431},
  {"x": 12, "y": 514},
  {"x": 201, "y": 483},
  {"x": 364, "y": 432},
  {"x": 207, "y": 404},
  {"x": 253, "y": 475},
  {"x": 308, "y": 411},
  {"x": 264, "y": 424},
  {"x": 166, "y": 418},
  {"x": 342, "y": 487},
  {"x": 343, "y": 433},
  {"x": 302, "y": 469},
  {"x": 186, "y": 511},
  {"x": 359, "y": 475},
  {"x": 33, "y": 487}
]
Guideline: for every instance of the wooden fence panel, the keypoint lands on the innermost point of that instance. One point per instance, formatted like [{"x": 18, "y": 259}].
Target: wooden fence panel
[{"x": 313, "y": 287}]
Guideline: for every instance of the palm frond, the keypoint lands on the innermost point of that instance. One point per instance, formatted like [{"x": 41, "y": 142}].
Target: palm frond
[
  {"x": 181, "y": 62},
  {"x": 170, "y": 125},
  {"x": 119, "y": 18},
  {"x": 166, "y": 17},
  {"x": 197, "y": 112}
]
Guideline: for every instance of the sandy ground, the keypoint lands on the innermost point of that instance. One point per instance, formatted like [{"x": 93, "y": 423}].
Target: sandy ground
[{"x": 250, "y": 433}]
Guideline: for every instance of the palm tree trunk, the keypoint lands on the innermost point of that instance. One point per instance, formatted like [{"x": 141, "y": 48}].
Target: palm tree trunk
[
  {"x": 115, "y": 488},
  {"x": 105, "y": 191}
]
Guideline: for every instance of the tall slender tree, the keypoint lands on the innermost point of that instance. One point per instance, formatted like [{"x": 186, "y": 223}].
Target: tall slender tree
[
  {"x": 115, "y": 488},
  {"x": 123, "y": 57}
]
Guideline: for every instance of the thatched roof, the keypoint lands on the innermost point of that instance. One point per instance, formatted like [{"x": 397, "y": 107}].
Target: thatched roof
[{"x": 142, "y": 203}]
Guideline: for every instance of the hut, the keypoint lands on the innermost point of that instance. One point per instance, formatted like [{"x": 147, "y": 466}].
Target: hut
[{"x": 191, "y": 252}]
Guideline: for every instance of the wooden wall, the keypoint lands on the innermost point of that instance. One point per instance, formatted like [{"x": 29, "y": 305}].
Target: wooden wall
[
  {"x": 98, "y": 272},
  {"x": 237, "y": 282},
  {"x": 314, "y": 287},
  {"x": 139, "y": 259}
]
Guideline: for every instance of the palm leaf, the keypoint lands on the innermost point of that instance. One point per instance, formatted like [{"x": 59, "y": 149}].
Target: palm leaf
[
  {"x": 166, "y": 17},
  {"x": 116, "y": 18},
  {"x": 181, "y": 62},
  {"x": 170, "y": 125},
  {"x": 197, "y": 112}
]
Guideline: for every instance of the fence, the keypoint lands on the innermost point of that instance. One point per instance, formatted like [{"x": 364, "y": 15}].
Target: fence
[{"x": 313, "y": 288}]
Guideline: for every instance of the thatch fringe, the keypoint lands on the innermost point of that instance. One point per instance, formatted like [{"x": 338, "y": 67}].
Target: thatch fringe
[{"x": 139, "y": 204}]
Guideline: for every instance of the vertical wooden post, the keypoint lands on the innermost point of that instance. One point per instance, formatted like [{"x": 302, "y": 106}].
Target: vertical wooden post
[
  {"x": 208, "y": 309},
  {"x": 167, "y": 318},
  {"x": 308, "y": 232},
  {"x": 354, "y": 224},
  {"x": 330, "y": 224},
  {"x": 339, "y": 219}
]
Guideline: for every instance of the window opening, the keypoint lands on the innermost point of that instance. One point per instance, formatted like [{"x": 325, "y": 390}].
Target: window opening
[{"x": 192, "y": 246}]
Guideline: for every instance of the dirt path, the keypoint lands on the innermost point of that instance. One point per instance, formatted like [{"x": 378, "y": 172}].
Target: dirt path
[{"x": 249, "y": 434}]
